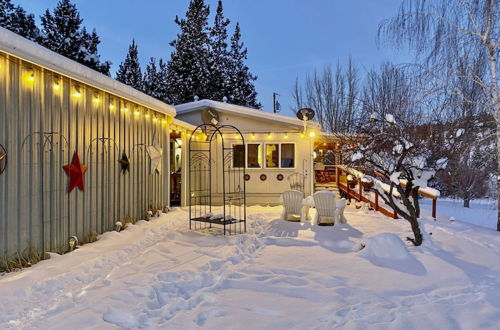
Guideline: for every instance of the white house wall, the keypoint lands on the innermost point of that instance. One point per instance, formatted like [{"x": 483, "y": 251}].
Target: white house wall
[{"x": 257, "y": 131}]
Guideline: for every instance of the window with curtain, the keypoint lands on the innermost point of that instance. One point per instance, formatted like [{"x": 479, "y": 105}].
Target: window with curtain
[
  {"x": 254, "y": 155},
  {"x": 272, "y": 155},
  {"x": 287, "y": 155}
]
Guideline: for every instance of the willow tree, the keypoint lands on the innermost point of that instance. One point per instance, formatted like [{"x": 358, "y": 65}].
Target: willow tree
[{"x": 435, "y": 29}]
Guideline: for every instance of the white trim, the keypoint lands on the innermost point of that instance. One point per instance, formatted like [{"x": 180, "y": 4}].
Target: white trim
[
  {"x": 244, "y": 112},
  {"x": 32, "y": 52}
]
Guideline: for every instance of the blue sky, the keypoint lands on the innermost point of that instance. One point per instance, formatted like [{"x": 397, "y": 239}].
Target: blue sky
[{"x": 285, "y": 38}]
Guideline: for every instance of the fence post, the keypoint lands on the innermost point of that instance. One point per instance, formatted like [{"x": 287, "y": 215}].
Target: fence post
[
  {"x": 360, "y": 190},
  {"x": 376, "y": 200},
  {"x": 434, "y": 205}
]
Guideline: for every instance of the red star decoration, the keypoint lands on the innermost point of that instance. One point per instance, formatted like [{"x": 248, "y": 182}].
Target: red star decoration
[{"x": 75, "y": 171}]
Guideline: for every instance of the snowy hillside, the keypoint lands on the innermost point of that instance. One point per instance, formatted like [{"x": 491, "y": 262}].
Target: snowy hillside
[{"x": 281, "y": 275}]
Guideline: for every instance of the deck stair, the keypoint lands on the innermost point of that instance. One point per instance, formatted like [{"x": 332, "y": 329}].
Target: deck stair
[{"x": 327, "y": 186}]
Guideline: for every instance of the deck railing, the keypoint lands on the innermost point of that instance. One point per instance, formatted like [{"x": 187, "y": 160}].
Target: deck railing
[{"x": 357, "y": 192}]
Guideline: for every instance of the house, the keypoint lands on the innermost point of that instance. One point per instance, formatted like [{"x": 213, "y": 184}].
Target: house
[{"x": 277, "y": 151}]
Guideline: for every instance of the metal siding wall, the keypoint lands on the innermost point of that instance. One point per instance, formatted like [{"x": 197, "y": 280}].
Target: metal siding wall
[{"x": 35, "y": 209}]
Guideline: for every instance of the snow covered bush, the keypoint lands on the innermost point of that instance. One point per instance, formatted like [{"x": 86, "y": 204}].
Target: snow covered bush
[{"x": 401, "y": 154}]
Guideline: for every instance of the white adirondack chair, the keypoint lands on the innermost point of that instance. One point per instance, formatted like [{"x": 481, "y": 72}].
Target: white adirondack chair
[
  {"x": 292, "y": 205},
  {"x": 325, "y": 204},
  {"x": 339, "y": 212}
]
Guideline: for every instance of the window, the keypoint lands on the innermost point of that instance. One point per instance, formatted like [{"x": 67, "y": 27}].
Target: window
[
  {"x": 254, "y": 155},
  {"x": 272, "y": 155},
  {"x": 238, "y": 155},
  {"x": 287, "y": 155}
]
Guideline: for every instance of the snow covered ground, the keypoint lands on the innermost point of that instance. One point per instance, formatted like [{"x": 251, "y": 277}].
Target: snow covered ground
[
  {"x": 280, "y": 275},
  {"x": 482, "y": 212}
]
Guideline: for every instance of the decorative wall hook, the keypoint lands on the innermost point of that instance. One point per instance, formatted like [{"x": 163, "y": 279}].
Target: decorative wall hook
[{"x": 3, "y": 159}]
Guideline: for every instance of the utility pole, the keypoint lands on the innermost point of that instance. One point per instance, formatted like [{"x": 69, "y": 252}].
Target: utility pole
[{"x": 276, "y": 104}]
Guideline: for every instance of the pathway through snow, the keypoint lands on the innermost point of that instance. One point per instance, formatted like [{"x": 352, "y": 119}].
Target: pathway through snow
[{"x": 279, "y": 275}]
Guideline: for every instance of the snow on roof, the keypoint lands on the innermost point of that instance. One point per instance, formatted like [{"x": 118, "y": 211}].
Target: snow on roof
[
  {"x": 241, "y": 111},
  {"x": 32, "y": 52},
  {"x": 183, "y": 124}
]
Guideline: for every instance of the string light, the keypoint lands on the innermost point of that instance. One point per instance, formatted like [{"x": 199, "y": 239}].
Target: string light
[
  {"x": 312, "y": 134},
  {"x": 269, "y": 135},
  {"x": 112, "y": 107},
  {"x": 30, "y": 77},
  {"x": 137, "y": 113},
  {"x": 286, "y": 135},
  {"x": 56, "y": 86},
  {"x": 77, "y": 93},
  {"x": 155, "y": 119},
  {"x": 96, "y": 99},
  {"x": 125, "y": 109},
  {"x": 146, "y": 115},
  {"x": 253, "y": 136},
  {"x": 164, "y": 122}
]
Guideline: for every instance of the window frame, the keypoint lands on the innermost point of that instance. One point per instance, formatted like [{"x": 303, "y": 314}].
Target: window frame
[
  {"x": 279, "y": 167},
  {"x": 294, "y": 156},
  {"x": 246, "y": 155}
]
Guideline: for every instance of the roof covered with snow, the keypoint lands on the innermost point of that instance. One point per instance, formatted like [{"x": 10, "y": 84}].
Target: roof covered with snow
[
  {"x": 241, "y": 111},
  {"x": 29, "y": 51}
]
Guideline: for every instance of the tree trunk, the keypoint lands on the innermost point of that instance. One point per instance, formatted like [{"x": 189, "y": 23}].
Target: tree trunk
[
  {"x": 498, "y": 174},
  {"x": 416, "y": 232},
  {"x": 467, "y": 202}
]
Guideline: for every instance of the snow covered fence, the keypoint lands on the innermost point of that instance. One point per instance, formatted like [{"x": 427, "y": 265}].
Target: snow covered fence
[{"x": 428, "y": 192}]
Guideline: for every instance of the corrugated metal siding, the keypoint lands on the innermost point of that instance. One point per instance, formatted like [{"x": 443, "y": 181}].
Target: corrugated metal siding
[{"x": 35, "y": 209}]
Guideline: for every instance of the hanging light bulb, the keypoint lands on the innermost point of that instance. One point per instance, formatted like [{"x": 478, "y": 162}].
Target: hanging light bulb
[
  {"x": 77, "y": 93},
  {"x": 269, "y": 135},
  {"x": 96, "y": 99},
  {"x": 30, "y": 77},
  {"x": 253, "y": 136},
  {"x": 55, "y": 86},
  {"x": 312, "y": 134},
  {"x": 155, "y": 119},
  {"x": 286, "y": 135}
]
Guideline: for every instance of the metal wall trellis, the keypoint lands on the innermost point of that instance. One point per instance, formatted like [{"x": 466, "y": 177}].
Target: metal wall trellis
[{"x": 217, "y": 191}]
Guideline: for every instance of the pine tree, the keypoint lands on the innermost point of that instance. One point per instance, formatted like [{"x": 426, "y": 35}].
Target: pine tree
[
  {"x": 15, "y": 19},
  {"x": 188, "y": 69},
  {"x": 219, "y": 60},
  {"x": 129, "y": 71},
  {"x": 155, "y": 80},
  {"x": 62, "y": 33},
  {"x": 241, "y": 80}
]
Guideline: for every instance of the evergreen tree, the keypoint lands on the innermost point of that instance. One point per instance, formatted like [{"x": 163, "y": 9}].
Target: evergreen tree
[
  {"x": 188, "y": 69},
  {"x": 62, "y": 33},
  {"x": 129, "y": 71},
  {"x": 219, "y": 60},
  {"x": 15, "y": 19},
  {"x": 155, "y": 80},
  {"x": 240, "y": 79}
]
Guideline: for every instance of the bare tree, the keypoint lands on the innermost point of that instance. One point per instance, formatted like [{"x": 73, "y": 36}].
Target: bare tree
[
  {"x": 436, "y": 29},
  {"x": 333, "y": 94}
]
